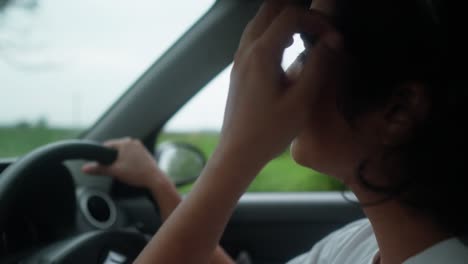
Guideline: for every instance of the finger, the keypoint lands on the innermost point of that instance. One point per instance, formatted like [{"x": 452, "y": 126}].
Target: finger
[
  {"x": 294, "y": 70},
  {"x": 94, "y": 168},
  {"x": 116, "y": 143},
  {"x": 278, "y": 35},
  {"x": 316, "y": 22},
  {"x": 267, "y": 12},
  {"x": 325, "y": 6},
  {"x": 292, "y": 20},
  {"x": 321, "y": 67}
]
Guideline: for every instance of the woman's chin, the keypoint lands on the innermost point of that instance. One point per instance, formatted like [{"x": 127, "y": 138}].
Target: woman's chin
[{"x": 302, "y": 155}]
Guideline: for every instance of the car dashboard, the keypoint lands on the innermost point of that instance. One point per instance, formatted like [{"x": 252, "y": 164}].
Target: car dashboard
[
  {"x": 44, "y": 212},
  {"x": 51, "y": 209}
]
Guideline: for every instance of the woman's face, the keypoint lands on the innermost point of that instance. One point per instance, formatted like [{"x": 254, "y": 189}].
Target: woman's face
[{"x": 328, "y": 144}]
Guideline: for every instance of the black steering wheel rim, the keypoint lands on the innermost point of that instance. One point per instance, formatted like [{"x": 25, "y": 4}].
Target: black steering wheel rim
[
  {"x": 17, "y": 173},
  {"x": 20, "y": 175}
]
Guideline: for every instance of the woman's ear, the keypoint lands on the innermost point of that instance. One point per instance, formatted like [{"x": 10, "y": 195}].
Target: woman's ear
[{"x": 407, "y": 107}]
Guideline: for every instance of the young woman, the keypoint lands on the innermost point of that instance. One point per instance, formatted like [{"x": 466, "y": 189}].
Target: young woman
[{"x": 377, "y": 101}]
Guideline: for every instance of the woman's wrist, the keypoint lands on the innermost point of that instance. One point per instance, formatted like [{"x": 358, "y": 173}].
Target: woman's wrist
[
  {"x": 239, "y": 157},
  {"x": 156, "y": 181},
  {"x": 233, "y": 167}
]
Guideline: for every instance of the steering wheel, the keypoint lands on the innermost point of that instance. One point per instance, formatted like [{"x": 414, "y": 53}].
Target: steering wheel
[{"x": 83, "y": 248}]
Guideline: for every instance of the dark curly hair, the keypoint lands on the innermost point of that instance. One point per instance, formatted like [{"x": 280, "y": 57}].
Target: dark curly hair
[{"x": 399, "y": 41}]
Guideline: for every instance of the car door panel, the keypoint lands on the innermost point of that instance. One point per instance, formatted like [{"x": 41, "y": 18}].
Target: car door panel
[{"x": 273, "y": 228}]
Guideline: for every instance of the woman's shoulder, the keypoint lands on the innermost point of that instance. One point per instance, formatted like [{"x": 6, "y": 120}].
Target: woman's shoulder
[
  {"x": 354, "y": 243},
  {"x": 450, "y": 251}
]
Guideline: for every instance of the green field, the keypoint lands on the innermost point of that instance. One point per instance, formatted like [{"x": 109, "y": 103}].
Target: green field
[
  {"x": 282, "y": 174},
  {"x": 15, "y": 141}
]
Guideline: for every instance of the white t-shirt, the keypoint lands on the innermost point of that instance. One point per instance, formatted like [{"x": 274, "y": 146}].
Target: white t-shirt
[{"x": 356, "y": 244}]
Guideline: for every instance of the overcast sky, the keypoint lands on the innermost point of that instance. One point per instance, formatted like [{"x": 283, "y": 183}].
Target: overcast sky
[{"x": 69, "y": 60}]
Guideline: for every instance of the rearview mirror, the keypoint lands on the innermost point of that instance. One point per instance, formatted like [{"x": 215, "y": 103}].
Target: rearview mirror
[{"x": 182, "y": 162}]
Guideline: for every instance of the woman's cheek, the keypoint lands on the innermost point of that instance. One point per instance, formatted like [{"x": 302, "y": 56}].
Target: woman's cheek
[{"x": 326, "y": 145}]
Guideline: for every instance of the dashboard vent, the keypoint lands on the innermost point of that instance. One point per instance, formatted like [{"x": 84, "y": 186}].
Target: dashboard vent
[{"x": 98, "y": 208}]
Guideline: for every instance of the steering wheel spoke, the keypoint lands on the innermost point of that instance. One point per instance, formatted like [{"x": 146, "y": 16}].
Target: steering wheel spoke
[{"x": 93, "y": 247}]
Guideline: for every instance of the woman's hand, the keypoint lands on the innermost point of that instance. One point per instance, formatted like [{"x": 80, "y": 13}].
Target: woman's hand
[
  {"x": 266, "y": 108},
  {"x": 134, "y": 165}
]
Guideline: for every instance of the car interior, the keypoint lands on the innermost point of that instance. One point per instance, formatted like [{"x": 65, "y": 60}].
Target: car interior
[{"x": 50, "y": 212}]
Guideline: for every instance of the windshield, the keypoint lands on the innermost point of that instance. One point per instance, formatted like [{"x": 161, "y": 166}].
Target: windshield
[{"x": 63, "y": 63}]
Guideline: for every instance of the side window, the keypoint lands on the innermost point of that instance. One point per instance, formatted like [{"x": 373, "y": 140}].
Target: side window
[{"x": 199, "y": 123}]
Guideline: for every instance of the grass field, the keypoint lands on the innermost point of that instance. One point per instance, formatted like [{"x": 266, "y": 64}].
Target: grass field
[
  {"x": 282, "y": 174},
  {"x": 15, "y": 141}
]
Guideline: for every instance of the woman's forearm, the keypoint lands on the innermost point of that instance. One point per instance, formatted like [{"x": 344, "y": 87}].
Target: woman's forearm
[
  {"x": 165, "y": 193},
  {"x": 191, "y": 233},
  {"x": 166, "y": 196}
]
